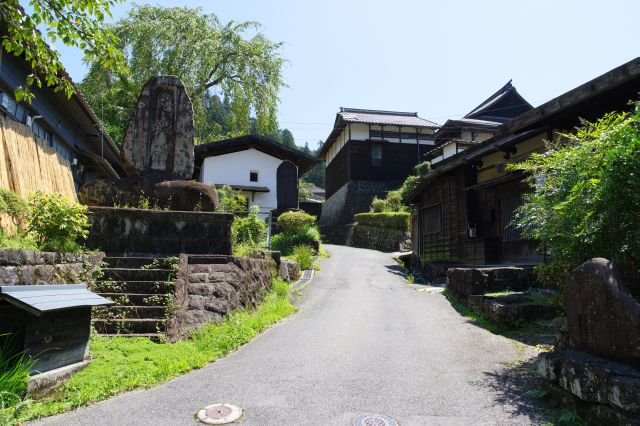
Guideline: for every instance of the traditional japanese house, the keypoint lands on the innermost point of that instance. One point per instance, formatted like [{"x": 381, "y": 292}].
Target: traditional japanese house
[
  {"x": 482, "y": 123},
  {"x": 54, "y": 143},
  {"x": 266, "y": 171},
  {"x": 367, "y": 154},
  {"x": 466, "y": 203}
]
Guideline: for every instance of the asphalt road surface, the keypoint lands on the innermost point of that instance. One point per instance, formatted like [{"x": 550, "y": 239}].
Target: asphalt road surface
[{"x": 362, "y": 341}]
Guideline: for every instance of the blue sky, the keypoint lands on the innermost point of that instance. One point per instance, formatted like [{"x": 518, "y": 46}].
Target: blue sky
[{"x": 439, "y": 59}]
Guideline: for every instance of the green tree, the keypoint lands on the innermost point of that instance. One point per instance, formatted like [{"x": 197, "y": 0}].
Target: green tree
[
  {"x": 286, "y": 138},
  {"x": 235, "y": 59},
  {"x": 586, "y": 196},
  {"x": 77, "y": 23}
]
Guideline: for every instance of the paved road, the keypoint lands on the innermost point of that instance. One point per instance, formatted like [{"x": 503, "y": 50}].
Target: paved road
[{"x": 363, "y": 341}]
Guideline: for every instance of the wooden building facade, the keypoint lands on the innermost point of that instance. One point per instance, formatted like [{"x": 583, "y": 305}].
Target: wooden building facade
[
  {"x": 465, "y": 205},
  {"x": 367, "y": 154}
]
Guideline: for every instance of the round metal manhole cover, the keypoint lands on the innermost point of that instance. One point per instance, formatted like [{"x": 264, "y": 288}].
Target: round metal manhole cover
[
  {"x": 219, "y": 414},
  {"x": 370, "y": 419}
]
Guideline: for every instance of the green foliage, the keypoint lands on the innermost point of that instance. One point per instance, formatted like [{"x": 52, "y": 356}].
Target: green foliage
[
  {"x": 249, "y": 230},
  {"x": 57, "y": 223},
  {"x": 393, "y": 202},
  {"x": 586, "y": 195},
  {"x": 292, "y": 222},
  {"x": 391, "y": 220},
  {"x": 77, "y": 23},
  {"x": 423, "y": 168},
  {"x": 17, "y": 240},
  {"x": 121, "y": 364},
  {"x": 15, "y": 207},
  {"x": 235, "y": 59},
  {"x": 304, "y": 190},
  {"x": 15, "y": 369},
  {"x": 303, "y": 255},
  {"x": 230, "y": 200},
  {"x": 286, "y": 241}
]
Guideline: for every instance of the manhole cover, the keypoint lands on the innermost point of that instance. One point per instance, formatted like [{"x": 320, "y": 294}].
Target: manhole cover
[
  {"x": 219, "y": 414},
  {"x": 370, "y": 419}
]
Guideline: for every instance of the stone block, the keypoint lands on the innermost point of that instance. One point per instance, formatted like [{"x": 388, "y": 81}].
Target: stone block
[
  {"x": 602, "y": 317},
  {"x": 289, "y": 270},
  {"x": 593, "y": 379},
  {"x": 202, "y": 289},
  {"x": 200, "y": 277}
]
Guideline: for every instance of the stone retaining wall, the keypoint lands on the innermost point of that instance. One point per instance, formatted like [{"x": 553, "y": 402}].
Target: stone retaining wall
[
  {"x": 464, "y": 282},
  {"x": 119, "y": 231},
  {"x": 209, "y": 287},
  {"x": 370, "y": 237},
  {"x": 25, "y": 267}
]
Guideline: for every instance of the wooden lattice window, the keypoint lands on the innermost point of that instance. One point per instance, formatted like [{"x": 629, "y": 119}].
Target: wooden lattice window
[{"x": 432, "y": 219}]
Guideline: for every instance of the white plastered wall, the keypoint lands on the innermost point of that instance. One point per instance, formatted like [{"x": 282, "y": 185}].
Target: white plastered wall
[{"x": 234, "y": 169}]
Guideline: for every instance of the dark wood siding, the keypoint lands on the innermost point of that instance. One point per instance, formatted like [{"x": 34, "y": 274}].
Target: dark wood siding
[
  {"x": 494, "y": 209},
  {"x": 446, "y": 194},
  {"x": 398, "y": 160},
  {"x": 337, "y": 172}
]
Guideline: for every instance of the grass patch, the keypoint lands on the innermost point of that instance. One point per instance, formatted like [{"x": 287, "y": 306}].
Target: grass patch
[
  {"x": 121, "y": 364},
  {"x": 474, "y": 317}
]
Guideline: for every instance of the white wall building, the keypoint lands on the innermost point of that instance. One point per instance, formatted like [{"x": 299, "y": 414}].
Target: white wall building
[{"x": 265, "y": 171}]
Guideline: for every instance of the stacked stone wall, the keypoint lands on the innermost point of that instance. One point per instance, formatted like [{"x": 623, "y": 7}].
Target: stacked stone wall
[
  {"x": 25, "y": 267},
  {"x": 210, "y": 287}
]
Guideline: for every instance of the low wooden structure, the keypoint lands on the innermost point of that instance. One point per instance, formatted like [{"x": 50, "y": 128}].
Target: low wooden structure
[{"x": 50, "y": 323}]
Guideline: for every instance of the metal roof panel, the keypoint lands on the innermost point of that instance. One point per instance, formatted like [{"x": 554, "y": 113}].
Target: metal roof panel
[{"x": 39, "y": 299}]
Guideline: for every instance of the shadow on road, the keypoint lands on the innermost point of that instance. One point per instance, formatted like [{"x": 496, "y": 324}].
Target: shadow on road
[{"x": 515, "y": 386}]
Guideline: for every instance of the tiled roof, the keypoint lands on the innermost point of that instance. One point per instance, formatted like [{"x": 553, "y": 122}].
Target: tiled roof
[{"x": 392, "y": 118}]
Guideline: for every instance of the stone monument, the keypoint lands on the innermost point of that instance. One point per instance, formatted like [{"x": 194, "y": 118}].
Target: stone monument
[{"x": 158, "y": 155}]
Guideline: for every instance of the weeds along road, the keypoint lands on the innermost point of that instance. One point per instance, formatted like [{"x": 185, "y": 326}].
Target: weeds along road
[{"x": 363, "y": 341}]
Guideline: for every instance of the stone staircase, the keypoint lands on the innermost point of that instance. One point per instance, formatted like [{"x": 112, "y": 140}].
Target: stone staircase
[{"x": 142, "y": 289}]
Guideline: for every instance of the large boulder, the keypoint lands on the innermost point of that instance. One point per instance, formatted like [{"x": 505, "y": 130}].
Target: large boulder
[
  {"x": 602, "y": 317},
  {"x": 159, "y": 138},
  {"x": 134, "y": 191}
]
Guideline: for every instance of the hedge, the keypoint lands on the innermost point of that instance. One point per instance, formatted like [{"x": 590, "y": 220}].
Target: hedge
[{"x": 392, "y": 220}]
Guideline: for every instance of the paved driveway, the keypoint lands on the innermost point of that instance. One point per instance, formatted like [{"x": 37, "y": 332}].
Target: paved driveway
[{"x": 363, "y": 341}]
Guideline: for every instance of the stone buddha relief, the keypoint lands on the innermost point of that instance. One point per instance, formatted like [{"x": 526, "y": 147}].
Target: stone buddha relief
[{"x": 158, "y": 139}]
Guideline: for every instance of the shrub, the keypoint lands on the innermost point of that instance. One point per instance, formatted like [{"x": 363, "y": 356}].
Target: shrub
[
  {"x": 249, "y": 230},
  {"x": 230, "y": 200},
  {"x": 586, "y": 196},
  {"x": 391, "y": 220},
  {"x": 292, "y": 222},
  {"x": 422, "y": 168},
  {"x": 286, "y": 241},
  {"x": 56, "y": 222},
  {"x": 304, "y": 190},
  {"x": 378, "y": 205},
  {"x": 303, "y": 255},
  {"x": 15, "y": 207}
]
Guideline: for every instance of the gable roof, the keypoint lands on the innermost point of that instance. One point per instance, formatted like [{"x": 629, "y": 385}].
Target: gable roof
[
  {"x": 304, "y": 161},
  {"x": 607, "y": 92},
  {"x": 503, "y": 105},
  {"x": 376, "y": 117}
]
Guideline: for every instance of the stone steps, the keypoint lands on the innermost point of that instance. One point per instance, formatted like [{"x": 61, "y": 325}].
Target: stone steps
[
  {"x": 154, "y": 337},
  {"x": 125, "y": 326},
  {"x": 142, "y": 289},
  {"x": 129, "y": 274}
]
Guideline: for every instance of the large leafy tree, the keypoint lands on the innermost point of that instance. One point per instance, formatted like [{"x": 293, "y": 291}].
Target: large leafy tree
[
  {"x": 586, "y": 197},
  {"x": 77, "y": 23},
  {"x": 234, "y": 60}
]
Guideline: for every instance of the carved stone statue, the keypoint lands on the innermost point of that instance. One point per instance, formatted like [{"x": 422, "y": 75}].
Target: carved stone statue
[
  {"x": 158, "y": 155},
  {"x": 159, "y": 137}
]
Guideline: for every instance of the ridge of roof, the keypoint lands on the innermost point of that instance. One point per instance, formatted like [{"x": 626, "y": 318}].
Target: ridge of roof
[{"x": 379, "y": 112}]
